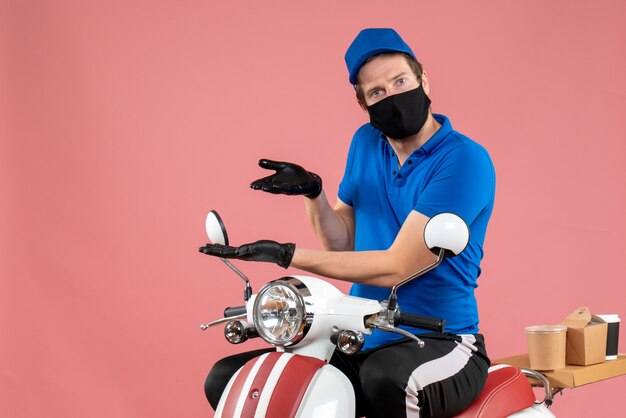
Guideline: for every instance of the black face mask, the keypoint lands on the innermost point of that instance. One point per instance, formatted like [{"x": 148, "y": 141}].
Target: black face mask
[{"x": 400, "y": 115}]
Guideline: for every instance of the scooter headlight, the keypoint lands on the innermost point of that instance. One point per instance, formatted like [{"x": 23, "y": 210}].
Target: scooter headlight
[{"x": 281, "y": 314}]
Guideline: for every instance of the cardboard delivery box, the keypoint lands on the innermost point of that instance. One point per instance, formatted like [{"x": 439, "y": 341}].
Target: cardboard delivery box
[{"x": 586, "y": 338}]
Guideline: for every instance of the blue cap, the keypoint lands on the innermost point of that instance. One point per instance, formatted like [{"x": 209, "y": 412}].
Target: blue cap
[{"x": 370, "y": 42}]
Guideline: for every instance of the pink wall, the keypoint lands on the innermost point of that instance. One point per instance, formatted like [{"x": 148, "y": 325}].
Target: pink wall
[{"x": 123, "y": 122}]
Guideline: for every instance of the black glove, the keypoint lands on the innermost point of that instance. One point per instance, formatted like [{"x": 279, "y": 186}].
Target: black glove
[
  {"x": 290, "y": 179},
  {"x": 264, "y": 250}
]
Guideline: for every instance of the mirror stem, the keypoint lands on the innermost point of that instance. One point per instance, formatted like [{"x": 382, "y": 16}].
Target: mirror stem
[
  {"x": 248, "y": 290},
  {"x": 393, "y": 299}
]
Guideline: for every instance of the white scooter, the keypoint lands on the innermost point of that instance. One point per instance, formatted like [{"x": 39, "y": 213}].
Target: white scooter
[{"x": 306, "y": 319}]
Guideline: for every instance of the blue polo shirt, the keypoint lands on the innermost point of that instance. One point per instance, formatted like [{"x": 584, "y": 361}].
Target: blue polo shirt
[{"x": 449, "y": 173}]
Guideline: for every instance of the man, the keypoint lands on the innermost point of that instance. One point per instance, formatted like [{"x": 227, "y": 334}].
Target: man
[{"x": 403, "y": 167}]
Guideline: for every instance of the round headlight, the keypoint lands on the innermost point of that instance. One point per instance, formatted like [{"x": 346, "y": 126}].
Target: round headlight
[{"x": 280, "y": 314}]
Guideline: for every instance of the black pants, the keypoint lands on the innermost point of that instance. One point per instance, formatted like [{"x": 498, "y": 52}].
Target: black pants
[{"x": 397, "y": 380}]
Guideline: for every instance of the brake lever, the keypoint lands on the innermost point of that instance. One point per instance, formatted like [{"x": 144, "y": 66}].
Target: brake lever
[
  {"x": 379, "y": 324},
  {"x": 221, "y": 321}
]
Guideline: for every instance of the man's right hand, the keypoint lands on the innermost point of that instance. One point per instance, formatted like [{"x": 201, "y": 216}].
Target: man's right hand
[{"x": 289, "y": 179}]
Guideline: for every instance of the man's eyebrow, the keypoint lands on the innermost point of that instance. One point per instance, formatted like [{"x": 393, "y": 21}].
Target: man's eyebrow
[{"x": 397, "y": 76}]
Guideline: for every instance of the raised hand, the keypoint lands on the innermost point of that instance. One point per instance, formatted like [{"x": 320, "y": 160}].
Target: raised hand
[{"x": 289, "y": 179}]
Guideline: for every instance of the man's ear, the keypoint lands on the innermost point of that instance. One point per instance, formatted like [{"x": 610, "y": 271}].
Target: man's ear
[
  {"x": 425, "y": 83},
  {"x": 362, "y": 106}
]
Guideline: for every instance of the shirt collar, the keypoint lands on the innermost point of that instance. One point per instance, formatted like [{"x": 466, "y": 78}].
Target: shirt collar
[{"x": 434, "y": 141}]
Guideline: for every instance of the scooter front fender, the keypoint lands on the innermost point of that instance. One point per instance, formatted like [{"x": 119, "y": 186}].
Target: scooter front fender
[{"x": 285, "y": 385}]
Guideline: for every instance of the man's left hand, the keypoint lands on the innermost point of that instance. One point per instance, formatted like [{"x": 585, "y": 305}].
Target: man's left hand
[{"x": 289, "y": 179}]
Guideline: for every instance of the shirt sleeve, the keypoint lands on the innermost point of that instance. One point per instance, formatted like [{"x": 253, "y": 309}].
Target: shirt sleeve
[
  {"x": 345, "y": 192},
  {"x": 464, "y": 184}
]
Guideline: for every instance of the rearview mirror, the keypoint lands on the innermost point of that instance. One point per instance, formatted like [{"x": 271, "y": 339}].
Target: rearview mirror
[
  {"x": 215, "y": 229},
  {"x": 446, "y": 231}
]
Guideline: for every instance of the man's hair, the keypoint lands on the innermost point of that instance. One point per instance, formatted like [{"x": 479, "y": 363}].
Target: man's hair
[{"x": 415, "y": 65}]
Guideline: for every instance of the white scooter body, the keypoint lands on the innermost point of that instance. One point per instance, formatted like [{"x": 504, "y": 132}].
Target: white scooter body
[
  {"x": 309, "y": 391},
  {"x": 535, "y": 411},
  {"x": 296, "y": 380}
]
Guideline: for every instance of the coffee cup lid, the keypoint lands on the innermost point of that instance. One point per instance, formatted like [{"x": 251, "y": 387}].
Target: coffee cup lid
[{"x": 545, "y": 329}]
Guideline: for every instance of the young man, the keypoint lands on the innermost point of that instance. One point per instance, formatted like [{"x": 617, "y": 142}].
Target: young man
[{"x": 403, "y": 167}]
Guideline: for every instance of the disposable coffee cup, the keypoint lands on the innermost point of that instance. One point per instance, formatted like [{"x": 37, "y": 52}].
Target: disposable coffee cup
[
  {"x": 612, "y": 335},
  {"x": 546, "y": 346}
]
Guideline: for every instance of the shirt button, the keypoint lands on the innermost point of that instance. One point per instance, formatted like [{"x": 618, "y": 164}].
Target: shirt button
[
  {"x": 393, "y": 172},
  {"x": 399, "y": 176},
  {"x": 409, "y": 162}
]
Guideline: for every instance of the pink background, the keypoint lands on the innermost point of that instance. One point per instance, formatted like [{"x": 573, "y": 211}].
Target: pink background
[{"x": 123, "y": 122}]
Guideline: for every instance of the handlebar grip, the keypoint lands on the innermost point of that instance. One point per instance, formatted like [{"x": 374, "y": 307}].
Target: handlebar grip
[
  {"x": 234, "y": 311},
  {"x": 419, "y": 321}
]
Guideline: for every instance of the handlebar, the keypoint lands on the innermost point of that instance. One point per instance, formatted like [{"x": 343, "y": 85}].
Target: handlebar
[
  {"x": 419, "y": 321},
  {"x": 234, "y": 311}
]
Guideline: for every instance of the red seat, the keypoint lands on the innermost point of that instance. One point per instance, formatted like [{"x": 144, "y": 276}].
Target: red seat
[{"x": 507, "y": 391}]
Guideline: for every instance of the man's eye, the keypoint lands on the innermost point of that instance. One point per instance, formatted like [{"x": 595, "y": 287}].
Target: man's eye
[
  {"x": 376, "y": 92},
  {"x": 401, "y": 81}
]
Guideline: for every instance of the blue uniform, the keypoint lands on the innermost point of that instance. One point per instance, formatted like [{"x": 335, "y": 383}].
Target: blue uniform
[{"x": 449, "y": 173}]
